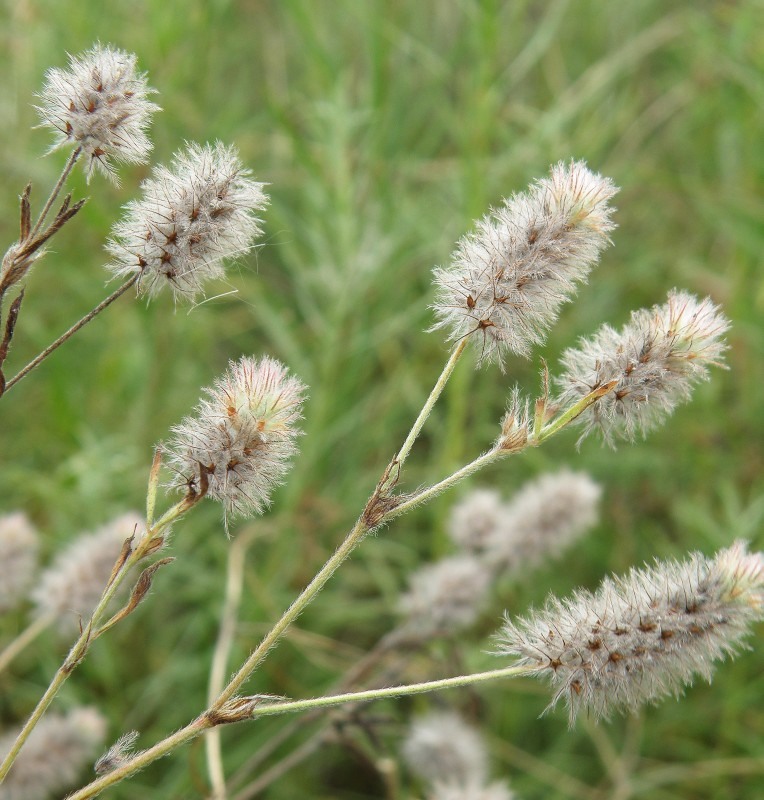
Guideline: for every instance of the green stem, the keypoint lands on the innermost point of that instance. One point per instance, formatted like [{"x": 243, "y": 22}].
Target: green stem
[
  {"x": 440, "y": 384},
  {"x": 90, "y": 631},
  {"x": 360, "y": 529},
  {"x": 394, "y": 691},
  {"x": 430, "y": 492},
  {"x": 26, "y": 637}
]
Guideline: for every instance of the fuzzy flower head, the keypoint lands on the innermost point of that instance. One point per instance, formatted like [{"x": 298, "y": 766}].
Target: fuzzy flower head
[
  {"x": 70, "y": 588},
  {"x": 445, "y": 597},
  {"x": 101, "y": 105},
  {"x": 542, "y": 520},
  {"x": 441, "y": 746},
  {"x": 191, "y": 217},
  {"x": 19, "y": 543},
  {"x": 241, "y": 439},
  {"x": 642, "y": 636},
  {"x": 57, "y": 752},
  {"x": 508, "y": 279},
  {"x": 474, "y": 520},
  {"x": 656, "y": 359}
]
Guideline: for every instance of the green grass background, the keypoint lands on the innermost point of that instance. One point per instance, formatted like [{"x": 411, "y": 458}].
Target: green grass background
[{"x": 384, "y": 129}]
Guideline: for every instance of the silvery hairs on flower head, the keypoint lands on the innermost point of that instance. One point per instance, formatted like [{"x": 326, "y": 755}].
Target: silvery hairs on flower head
[
  {"x": 56, "y": 753},
  {"x": 644, "y": 635},
  {"x": 19, "y": 543},
  {"x": 656, "y": 359},
  {"x": 70, "y": 588},
  {"x": 101, "y": 105},
  {"x": 509, "y": 278},
  {"x": 441, "y": 745},
  {"x": 241, "y": 439},
  {"x": 445, "y": 597},
  {"x": 191, "y": 217}
]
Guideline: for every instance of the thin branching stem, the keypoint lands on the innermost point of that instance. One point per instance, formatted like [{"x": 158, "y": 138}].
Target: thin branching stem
[
  {"x": 25, "y": 638},
  {"x": 76, "y": 327},
  {"x": 68, "y": 167}
]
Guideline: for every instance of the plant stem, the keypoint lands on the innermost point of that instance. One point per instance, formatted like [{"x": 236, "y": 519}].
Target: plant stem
[
  {"x": 440, "y": 384},
  {"x": 430, "y": 492},
  {"x": 394, "y": 691},
  {"x": 55, "y": 191},
  {"x": 26, "y": 637},
  {"x": 359, "y": 530},
  {"x": 219, "y": 666},
  {"x": 81, "y": 324}
]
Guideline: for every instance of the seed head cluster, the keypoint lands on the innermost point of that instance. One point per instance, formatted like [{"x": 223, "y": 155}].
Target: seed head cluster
[
  {"x": 642, "y": 636},
  {"x": 539, "y": 522},
  {"x": 19, "y": 543},
  {"x": 54, "y": 756},
  {"x": 656, "y": 359},
  {"x": 190, "y": 218},
  {"x": 241, "y": 439},
  {"x": 70, "y": 588},
  {"x": 508, "y": 279},
  {"x": 101, "y": 105}
]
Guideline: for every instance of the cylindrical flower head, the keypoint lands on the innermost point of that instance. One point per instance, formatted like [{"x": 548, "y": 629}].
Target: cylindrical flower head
[
  {"x": 544, "y": 518},
  {"x": 441, "y": 746},
  {"x": 101, "y": 105},
  {"x": 445, "y": 597},
  {"x": 508, "y": 279},
  {"x": 71, "y": 587},
  {"x": 656, "y": 359},
  {"x": 642, "y": 636},
  {"x": 19, "y": 544},
  {"x": 191, "y": 217},
  {"x": 54, "y": 756},
  {"x": 241, "y": 439}
]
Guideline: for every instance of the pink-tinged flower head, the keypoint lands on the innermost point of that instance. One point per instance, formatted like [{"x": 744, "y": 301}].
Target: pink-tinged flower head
[
  {"x": 241, "y": 439},
  {"x": 656, "y": 359},
  {"x": 642, "y": 636},
  {"x": 191, "y": 217},
  {"x": 101, "y": 105},
  {"x": 508, "y": 279}
]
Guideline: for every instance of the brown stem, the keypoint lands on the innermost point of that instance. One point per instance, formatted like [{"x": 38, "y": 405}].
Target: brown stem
[{"x": 77, "y": 326}]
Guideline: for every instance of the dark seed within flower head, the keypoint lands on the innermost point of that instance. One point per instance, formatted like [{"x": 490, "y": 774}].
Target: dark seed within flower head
[
  {"x": 99, "y": 104},
  {"x": 508, "y": 279},
  {"x": 656, "y": 359},
  {"x": 642, "y": 636},
  {"x": 241, "y": 438},
  {"x": 191, "y": 217}
]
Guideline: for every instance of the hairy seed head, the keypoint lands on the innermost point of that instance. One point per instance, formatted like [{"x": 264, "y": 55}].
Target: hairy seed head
[
  {"x": 644, "y": 635},
  {"x": 241, "y": 439},
  {"x": 656, "y": 359},
  {"x": 507, "y": 280},
  {"x": 101, "y": 105},
  {"x": 191, "y": 217}
]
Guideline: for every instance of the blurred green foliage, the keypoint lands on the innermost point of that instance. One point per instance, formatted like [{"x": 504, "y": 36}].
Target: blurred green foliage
[{"x": 384, "y": 129}]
